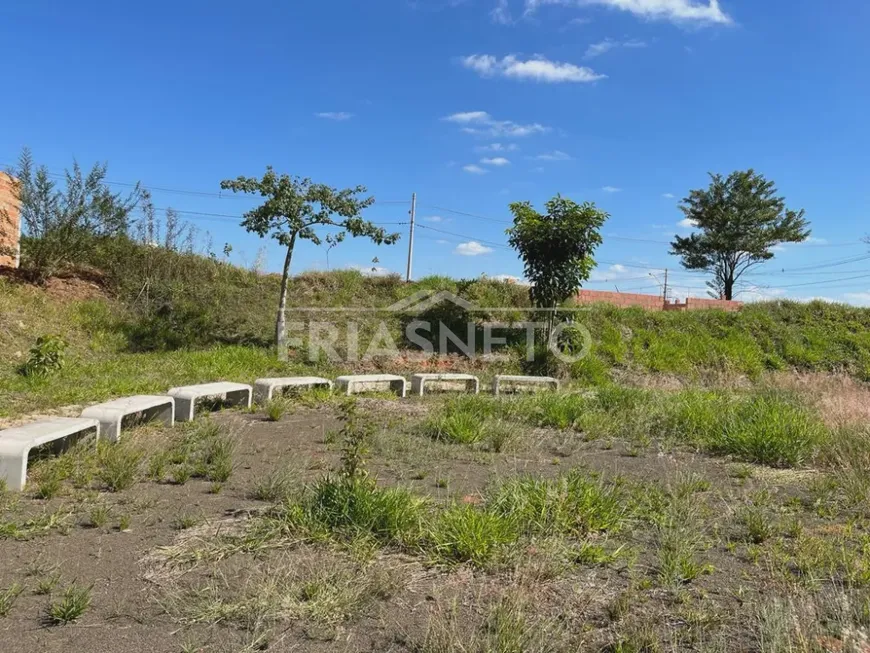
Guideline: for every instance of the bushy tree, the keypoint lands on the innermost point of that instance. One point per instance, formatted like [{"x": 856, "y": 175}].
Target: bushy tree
[
  {"x": 294, "y": 209},
  {"x": 739, "y": 219},
  {"x": 61, "y": 223},
  {"x": 556, "y": 247}
]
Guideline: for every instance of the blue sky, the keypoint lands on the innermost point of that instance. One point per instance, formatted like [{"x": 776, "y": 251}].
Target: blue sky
[{"x": 471, "y": 104}]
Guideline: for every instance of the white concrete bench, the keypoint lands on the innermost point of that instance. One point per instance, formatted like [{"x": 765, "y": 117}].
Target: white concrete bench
[
  {"x": 16, "y": 443},
  {"x": 466, "y": 382},
  {"x": 371, "y": 383},
  {"x": 504, "y": 382},
  {"x": 141, "y": 408},
  {"x": 264, "y": 389},
  {"x": 233, "y": 394}
]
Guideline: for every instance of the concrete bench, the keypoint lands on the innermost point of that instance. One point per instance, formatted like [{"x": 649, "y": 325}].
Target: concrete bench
[
  {"x": 264, "y": 389},
  {"x": 141, "y": 408},
  {"x": 466, "y": 382},
  {"x": 16, "y": 443},
  {"x": 523, "y": 383},
  {"x": 233, "y": 394},
  {"x": 371, "y": 383}
]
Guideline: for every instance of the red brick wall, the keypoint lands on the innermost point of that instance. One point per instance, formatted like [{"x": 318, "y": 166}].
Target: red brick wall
[
  {"x": 10, "y": 222},
  {"x": 650, "y": 302},
  {"x": 698, "y": 304},
  {"x": 653, "y": 302}
]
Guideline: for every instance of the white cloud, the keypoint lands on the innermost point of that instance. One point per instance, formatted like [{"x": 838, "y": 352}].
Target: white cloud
[
  {"x": 687, "y": 223},
  {"x": 481, "y": 123},
  {"x": 334, "y": 115},
  {"x": 442, "y": 242},
  {"x": 501, "y": 14},
  {"x": 555, "y": 155},
  {"x": 472, "y": 248},
  {"x": 497, "y": 147},
  {"x": 618, "y": 272},
  {"x": 602, "y": 47},
  {"x": 509, "y": 278},
  {"x": 474, "y": 169},
  {"x": 812, "y": 240},
  {"x": 597, "y": 49},
  {"x": 465, "y": 117},
  {"x": 538, "y": 69},
  {"x": 434, "y": 218},
  {"x": 668, "y": 196},
  {"x": 858, "y": 298},
  {"x": 496, "y": 161},
  {"x": 611, "y": 189},
  {"x": 698, "y": 12}
]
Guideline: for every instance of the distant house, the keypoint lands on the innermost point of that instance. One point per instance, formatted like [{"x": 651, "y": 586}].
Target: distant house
[{"x": 10, "y": 222}]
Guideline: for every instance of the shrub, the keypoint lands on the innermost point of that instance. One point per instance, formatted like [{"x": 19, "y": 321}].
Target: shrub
[{"x": 46, "y": 357}]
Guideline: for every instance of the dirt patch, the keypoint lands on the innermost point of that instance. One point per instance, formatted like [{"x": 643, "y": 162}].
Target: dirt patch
[{"x": 326, "y": 596}]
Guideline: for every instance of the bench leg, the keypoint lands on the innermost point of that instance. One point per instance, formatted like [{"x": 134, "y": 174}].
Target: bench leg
[
  {"x": 13, "y": 469},
  {"x": 262, "y": 394},
  {"x": 399, "y": 387},
  {"x": 184, "y": 409},
  {"x": 110, "y": 431},
  {"x": 417, "y": 387},
  {"x": 167, "y": 415},
  {"x": 473, "y": 386},
  {"x": 239, "y": 398}
]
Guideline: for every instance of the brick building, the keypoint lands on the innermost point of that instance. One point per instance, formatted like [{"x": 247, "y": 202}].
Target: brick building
[{"x": 10, "y": 222}]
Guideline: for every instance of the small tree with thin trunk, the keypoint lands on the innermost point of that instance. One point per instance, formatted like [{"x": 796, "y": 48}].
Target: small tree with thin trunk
[
  {"x": 739, "y": 220},
  {"x": 294, "y": 208},
  {"x": 556, "y": 247}
]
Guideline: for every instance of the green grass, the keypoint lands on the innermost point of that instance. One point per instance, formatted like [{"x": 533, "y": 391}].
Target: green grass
[
  {"x": 571, "y": 504},
  {"x": 468, "y": 534},
  {"x": 353, "y": 507},
  {"x": 119, "y": 465},
  {"x": 278, "y": 485},
  {"x": 8, "y": 597},
  {"x": 756, "y": 426},
  {"x": 71, "y": 606},
  {"x": 221, "y": 327}
]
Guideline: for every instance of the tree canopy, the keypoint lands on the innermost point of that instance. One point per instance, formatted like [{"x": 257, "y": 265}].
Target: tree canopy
[
  {"x": 556, "y": 247},
  {"x": 738, "y": 219},
  {"x": 294, "y": 208}
]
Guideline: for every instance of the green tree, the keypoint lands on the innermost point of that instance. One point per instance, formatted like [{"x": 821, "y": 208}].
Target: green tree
[
  {"x": 61, "y": 226},
  {"x": 293, "y": 209},
  {"x": 739, "y": 219},
  {"x": 556, "y": 247}
]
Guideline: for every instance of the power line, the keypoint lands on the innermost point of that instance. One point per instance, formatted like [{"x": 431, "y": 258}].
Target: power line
[
  {"x": 182, "y": 191},
  {"x": 474, "y": 238}
]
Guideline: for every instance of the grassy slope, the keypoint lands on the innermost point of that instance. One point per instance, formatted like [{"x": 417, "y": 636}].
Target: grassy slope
[{"x": 211, "y": 320}]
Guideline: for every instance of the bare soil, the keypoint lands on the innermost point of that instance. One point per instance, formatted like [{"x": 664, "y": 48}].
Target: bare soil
[{"x": 135, "y": 602}]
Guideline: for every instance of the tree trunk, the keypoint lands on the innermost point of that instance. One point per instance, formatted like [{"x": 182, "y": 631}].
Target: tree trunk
[
  {"x": 281, "y": 322},
  {"x": 729, "y": 289}
]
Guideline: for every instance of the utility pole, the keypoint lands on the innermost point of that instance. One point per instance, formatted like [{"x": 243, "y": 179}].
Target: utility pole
[
  {"x": 411, "y": 236},
  {"x": 666, "y": 285}
]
